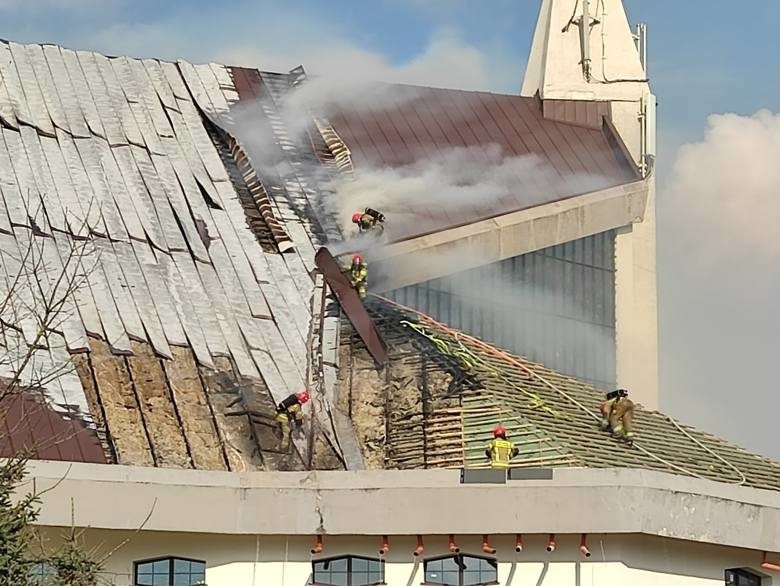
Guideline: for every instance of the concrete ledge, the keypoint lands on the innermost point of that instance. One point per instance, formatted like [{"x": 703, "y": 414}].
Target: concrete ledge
[
  {"x": 431, "y": 502},
  {"x": 409, "y": 262}
]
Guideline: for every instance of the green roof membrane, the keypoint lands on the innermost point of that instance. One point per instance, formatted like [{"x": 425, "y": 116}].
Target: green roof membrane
[{"x": 554, "y": 419}]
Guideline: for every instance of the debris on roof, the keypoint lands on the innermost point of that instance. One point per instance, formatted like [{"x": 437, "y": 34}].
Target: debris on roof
[
  {"x": 181, "y": 273},
  {"x": 113, "y": 177},
  {"x": 439, "y": 412}
]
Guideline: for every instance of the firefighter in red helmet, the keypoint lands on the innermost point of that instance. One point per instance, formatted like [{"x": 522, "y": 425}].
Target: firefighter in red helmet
[
  {"x": 368, "y": 220},
  {"x": 291, "y": 409},
  {"x": 500, "y": 450},
  {"x": 358, "y": 275}
]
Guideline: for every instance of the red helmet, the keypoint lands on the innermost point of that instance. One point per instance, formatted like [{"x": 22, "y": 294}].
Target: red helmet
[
  {"x": 499, "y": 431},
  {"x": 303, "y": 397},
  {"x": 356, "y": 217},
  {"x": 357, "y": 259}
]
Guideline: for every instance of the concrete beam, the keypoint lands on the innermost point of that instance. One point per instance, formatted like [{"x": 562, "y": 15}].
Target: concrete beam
[
  {"x": 449, "y": 251},
  {"x": 406, "y": 503}
]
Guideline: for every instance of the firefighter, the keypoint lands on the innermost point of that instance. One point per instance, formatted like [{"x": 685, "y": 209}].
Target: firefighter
[
  {"x": 358, "y": 275},
  {"x": 500, "y": 450},
  {"x": 291, "y": 408},
  {"x": 617, "y": 415},
  {"x": 369, "y": 220}
]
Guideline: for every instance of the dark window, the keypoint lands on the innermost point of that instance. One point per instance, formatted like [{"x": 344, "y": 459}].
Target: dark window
[
  {"x": 461, "y": 570},
  {"x": 742, "y": 578},
  {"x": 349, "y": 570},
  {"x": 169, "y": 572}
]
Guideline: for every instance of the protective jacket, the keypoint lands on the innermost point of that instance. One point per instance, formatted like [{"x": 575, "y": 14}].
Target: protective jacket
[
  {"x": 358, "y": 275},
  {"x": 500, "y": 451},
  {"x": 617, "y": 415}
]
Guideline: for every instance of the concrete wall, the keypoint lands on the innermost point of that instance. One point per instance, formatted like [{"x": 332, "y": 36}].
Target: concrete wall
[
  {"x": 405, "y": 502},
  {"x": 555, "y": 70},
  {"x": 286, "y": 561},
  {"x": 636, "y": 296}
]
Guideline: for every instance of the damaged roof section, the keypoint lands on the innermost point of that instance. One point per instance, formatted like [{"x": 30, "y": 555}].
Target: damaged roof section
[
  {"x": 444, "y": 391},
  {"x": 114, "y": 175}
]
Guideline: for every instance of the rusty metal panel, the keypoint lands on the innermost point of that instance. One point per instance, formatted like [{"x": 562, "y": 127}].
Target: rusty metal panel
[
  {"x": 352, "y": 306},
  {"x": 30, "y": 427},
  {"x": 577, "y": 112},
  {"x": 408, "y": 125}
]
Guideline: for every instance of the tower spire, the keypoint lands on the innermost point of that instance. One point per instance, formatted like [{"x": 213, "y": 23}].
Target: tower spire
[{"x": 584, "y": 50}]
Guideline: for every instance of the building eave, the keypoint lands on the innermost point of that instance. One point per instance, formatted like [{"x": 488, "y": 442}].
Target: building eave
[
  {"x": 575, "y": 500},
  {"x": 421, "y": 259}
]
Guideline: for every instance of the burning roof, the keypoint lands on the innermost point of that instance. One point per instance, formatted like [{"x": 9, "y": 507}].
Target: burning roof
[{"x": 175, "y": 258}]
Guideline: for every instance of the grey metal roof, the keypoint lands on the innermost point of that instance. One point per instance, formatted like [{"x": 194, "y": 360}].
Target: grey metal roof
[{"x": 119, "y": 153}]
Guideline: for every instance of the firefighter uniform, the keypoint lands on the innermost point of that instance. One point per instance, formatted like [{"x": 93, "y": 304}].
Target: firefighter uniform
[
  {"x": 617, "y": 415},
  {"x": 366, "y": 222},
  {"x": 358, "y": 276},
  {"x": 290, "y": 409},
  {"x": 500, "y": 450}
]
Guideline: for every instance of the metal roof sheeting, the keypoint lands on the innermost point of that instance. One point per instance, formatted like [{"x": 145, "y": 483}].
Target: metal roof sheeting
[
  {"x": 570, "y": 142},
  {"x": 28, "y": 427},
  {"x": 115, "y": 152}
]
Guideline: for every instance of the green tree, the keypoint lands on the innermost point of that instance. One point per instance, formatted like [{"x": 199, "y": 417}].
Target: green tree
[{"x": 22, "y": 561}]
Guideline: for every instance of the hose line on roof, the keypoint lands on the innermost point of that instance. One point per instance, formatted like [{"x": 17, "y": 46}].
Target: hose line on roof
[{"x": 507, "y": 358}]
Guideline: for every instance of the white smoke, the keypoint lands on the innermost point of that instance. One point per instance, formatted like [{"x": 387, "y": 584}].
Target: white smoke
[
  {"x": 455, "y": 185},
  {"x": 719, "y": 281},
  {"x": 729, "y": 185}
]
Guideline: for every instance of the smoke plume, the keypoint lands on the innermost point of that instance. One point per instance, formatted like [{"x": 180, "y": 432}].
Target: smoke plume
[
  {"x": 454, "y": 187},
  {"x": 719, "y": 283}
]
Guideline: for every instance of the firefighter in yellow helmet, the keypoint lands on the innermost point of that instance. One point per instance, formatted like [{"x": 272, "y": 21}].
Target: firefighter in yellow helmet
[
  {"x": 290, "y": 409},
  {"x": 500, "y": 450},
  {"x": 358, "y": 275},
  {"x": 617, "y": 415}
]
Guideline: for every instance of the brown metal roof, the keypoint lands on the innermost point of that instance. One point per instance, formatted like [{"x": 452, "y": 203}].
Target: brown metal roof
[
  {"x": 572, "y": 140},
  {"x": 29, "y": 427},
  {"x": 572, "y": 144}
]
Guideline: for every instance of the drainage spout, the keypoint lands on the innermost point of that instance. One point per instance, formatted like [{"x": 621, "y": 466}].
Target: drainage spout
[
  {"x": 551, "y": 543},
  {"x": 584, "y": 546},
  {"x": 769, "y": 565},
  {"x": 486, "y": 547},
  {"x": 317, "y": 545},
  {"x": 452, "y": 545},
  {"x": 419, "y": 549}
]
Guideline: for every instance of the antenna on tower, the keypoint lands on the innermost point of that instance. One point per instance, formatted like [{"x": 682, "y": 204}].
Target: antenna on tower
[
  {"x": 585, "y": 38},
  {"x": 584, "y": 23}
]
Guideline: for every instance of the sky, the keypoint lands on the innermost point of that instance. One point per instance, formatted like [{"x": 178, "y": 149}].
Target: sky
[{"x": 712, "y": 66}]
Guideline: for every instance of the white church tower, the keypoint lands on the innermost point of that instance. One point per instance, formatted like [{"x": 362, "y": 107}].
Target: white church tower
[{"x": 586, "y": 50}]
